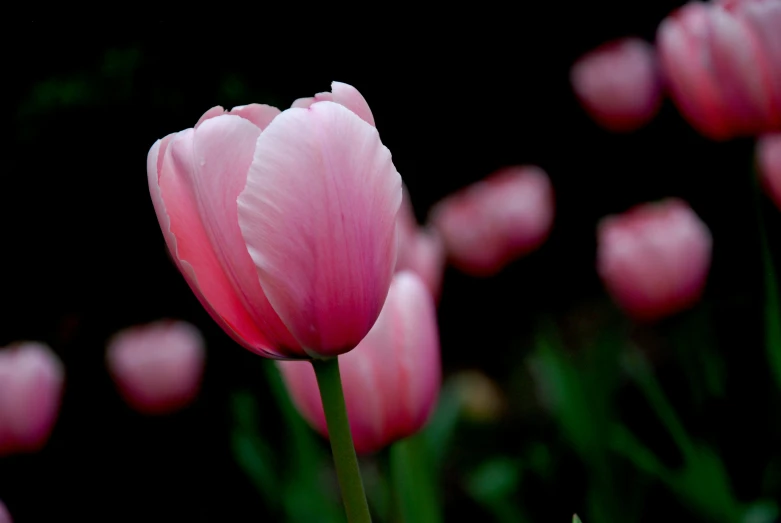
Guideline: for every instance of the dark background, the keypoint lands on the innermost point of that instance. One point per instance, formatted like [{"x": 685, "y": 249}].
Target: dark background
[{"x": 83, "y": 255}]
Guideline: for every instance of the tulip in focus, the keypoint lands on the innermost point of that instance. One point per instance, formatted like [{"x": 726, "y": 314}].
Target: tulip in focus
[
  {"x": 654, "y": 259},
  {"x": 722, "y": 64},
  {"x": 421, "y": 250},
  {"x": 494, "y": 221},
  {"x": 769, "y": 164},
  {"x": 31, "y": 383},
  {"x": 5, "y": 517},
  {"x": 282, "y": 223},
  {"x": 618, "y": 84},
  {"x": 158, "y": 367},
  {"x": 391, "y": 380}
]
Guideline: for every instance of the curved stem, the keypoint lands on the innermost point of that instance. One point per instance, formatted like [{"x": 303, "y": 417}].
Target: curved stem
[{"x": 350, "y": 482}]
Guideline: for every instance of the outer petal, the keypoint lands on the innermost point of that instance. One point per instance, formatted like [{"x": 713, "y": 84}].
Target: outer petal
[
  {"x": 343, "y": 94},
  {"x": 318, "y": 215},
  {"x": 187, "y": 238},
  {"x": 348, "y": 96},
  {"x": 259, "y": 114}
]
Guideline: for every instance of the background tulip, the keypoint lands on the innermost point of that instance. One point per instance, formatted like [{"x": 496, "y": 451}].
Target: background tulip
[
  {"x": 5, "y": 517},
  {"x": 421, "y": 249},
  {"x": 618, "y": 84},
  {"x": 654, "y": 259},
  {"x": 769, "y": 163},
  {"x": 291, "y": 254},
  {"x": 157, "y": 367},
  {"x": 31, "y": 383},
  {"x": 722, "y": 64},
  {"x": 391, "y": 380},
  {"x": 494, "y": 221}
]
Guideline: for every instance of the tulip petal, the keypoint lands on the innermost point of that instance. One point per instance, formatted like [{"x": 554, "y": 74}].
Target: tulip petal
[
  {"x": 259, "y": 114},
  {"x": 350, "y": 97},
  {"x": 189, "y": 244},
  {"x": 318, "y": 215}
]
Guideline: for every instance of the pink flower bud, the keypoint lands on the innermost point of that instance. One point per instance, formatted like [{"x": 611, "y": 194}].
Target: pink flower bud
[
  {"x": 391, "y": 380},
  {"x": 769, "y": 164},
  {"x": 157, "y": 367},
  {"x": 5, "y": 517},
  {"x": 721, "y": 62},
  {"x": 654, "y": 259},
  {"x": 421, "y": 250},
  {"x": 31, "y": 383},
  {"x": 618, "y": 84},
  {"x": 494, "y": 221},
  {"x": 282, "y": 223}
]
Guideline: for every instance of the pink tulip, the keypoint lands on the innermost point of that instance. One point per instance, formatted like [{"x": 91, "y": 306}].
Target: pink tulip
[
  {"x": 722, "y": 62},
  {"x": 5, "y": 517},
  {"x": 31, "y": 383},
  {"x": 283, "y": 223},
  {"x": 391, "y": 380},
  {"x": 618, "y": 84},
  {"x": 769, "y": 163},
  {"x": 654, "y": 259},
  {"x": 492, "y": 222},
  {"x": 157, "y": 367},
  {"x": 421, "y": 250}
]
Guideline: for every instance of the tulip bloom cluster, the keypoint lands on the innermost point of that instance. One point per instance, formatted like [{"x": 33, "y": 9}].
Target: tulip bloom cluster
[{"x": 719, "y": 61}]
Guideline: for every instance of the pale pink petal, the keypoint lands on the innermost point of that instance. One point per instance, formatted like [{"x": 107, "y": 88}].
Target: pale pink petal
[
  {"x": 191, "y": 248},
  {"x": 259, "y": 114},
  {"x": 348, "y": 96},
  {"x": 211, "y": 113},
  {"x": 318, "y": 215},
  {"x": 303, "y": 103}
]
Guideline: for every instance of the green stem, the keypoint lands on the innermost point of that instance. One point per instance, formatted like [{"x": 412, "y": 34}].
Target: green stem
[
  {"x": 350, "y": 482},
  {"x": 772, "y": 305},
  {"x": 412, "y": 481}
]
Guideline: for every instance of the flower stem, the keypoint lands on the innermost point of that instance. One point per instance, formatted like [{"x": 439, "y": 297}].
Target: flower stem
[{"x": 350, "y": 482}]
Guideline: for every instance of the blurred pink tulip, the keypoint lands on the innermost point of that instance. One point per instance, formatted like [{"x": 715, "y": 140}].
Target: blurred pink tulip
[
  {"x": 157, "y": 367},
  {"x": 391, "y": 380},
  {"x": 31, "y": 383},
  {"x": 654, "y": 259},
  {"x": 283, "y": 223},
  {"x": 421, "y": 250},
  {"x": 618, "y": 84},
  {"x": 494, "y": 221},
  {"x": 5, "y": 517},
  {"x": 769, "y": 163},
  {"x": 722, "y": 63}
]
